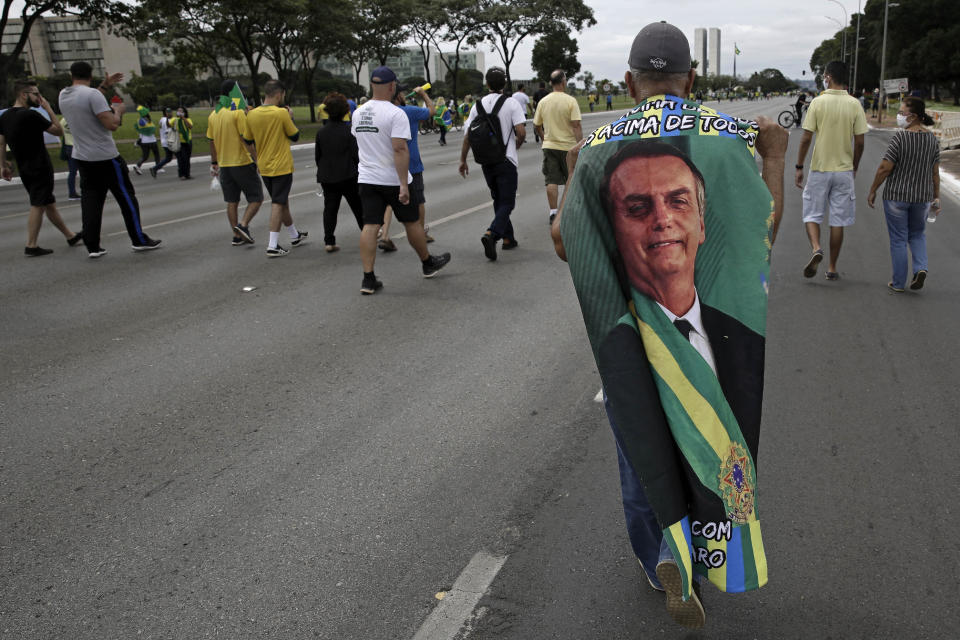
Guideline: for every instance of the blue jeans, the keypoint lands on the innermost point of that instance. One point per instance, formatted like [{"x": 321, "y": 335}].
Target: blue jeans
[
  {"x": 905, "y": 224},
  {"x": 502, "y": 180},
  {"x": 72, "y": 168}
]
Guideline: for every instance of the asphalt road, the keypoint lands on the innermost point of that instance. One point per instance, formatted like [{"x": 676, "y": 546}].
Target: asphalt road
[{"x": 183, "y": 459}]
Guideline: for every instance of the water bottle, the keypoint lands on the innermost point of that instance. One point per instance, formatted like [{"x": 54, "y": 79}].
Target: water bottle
[{"x": 933, "y": 211}]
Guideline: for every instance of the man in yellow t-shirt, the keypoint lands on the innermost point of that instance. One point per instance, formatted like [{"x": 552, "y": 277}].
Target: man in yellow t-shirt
[
  {"x": 557, "y": 122},
  {"x": 270, "y": 127},
  {"x": 232, "y": 162},
  {"x": 839, "y": 122}
]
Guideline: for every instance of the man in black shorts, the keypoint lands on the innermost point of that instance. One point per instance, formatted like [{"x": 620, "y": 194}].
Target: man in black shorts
[
  {"x": 22, "y": 128},
  {"x": 231, "y": 161},
  {"x": 382, "y": 131}
]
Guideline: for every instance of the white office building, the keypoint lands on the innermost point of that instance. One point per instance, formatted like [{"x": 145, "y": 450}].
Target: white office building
[
  {"x": 700, "y": 50},
  {"x": 713, "y": 51}
]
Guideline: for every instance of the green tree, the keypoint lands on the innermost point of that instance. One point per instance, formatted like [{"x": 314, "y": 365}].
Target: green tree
[
  {"x": 555, "y": 50},
  {"x": 460, "y": 28},
  {"x": 770, "y": 81},
  {"x": 504, "y": 24},
  {"x": 11, "y": 66},
  {"x": 429, "y": 18},
  {"x": 142, "y": 90},
  {"x": 587, "y": 79}
]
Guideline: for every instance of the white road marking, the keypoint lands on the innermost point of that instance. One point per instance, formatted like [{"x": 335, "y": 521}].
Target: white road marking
[
  {"x": 197, "y": 215},
  {"x": 450, "y": 614},
  {"x": 452, "y": 216}
]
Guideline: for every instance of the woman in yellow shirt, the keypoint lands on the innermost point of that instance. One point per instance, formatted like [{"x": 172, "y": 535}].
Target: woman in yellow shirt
[{"x": 184, "y": 126}]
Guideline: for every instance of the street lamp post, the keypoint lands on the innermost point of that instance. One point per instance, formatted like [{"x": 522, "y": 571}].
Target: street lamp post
[
  {"x": 845, "y": 24},
  {"x": 883, "y": 59},
  {"x": 856, "y": 50}
]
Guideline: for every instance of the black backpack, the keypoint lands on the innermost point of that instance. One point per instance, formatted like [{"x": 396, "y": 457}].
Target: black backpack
[{"x": 486, "y": 136}]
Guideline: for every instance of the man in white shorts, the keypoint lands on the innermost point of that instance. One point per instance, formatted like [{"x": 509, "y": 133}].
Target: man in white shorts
[{"x": 837, "y": 118}]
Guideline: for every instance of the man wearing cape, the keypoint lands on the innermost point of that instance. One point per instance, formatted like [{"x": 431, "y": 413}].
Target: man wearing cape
[{"x": 668, "y": 226}]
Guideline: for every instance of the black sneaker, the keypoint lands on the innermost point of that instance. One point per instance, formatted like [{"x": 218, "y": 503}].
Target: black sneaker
[
  {"x": 98, "y": 253},
  {"x": 73, "y": 197},
  {"x": 277, "y": 252},
  {"x": 370, "y": 286},
  {"x": 434, "y": 264},
  {"x": 33, "y": 252},
  {"x": 243, "y": 232},
  {"x": 506, "y": 245},
  {"x": 301, "y": 238},
  {"x": 75, "y": 240},
  {"x": 149, "y": 245},
  {"x": 238, "y": 241},
  {"x": 489, "y": 246},
  {"x": 153, "y": 172}
]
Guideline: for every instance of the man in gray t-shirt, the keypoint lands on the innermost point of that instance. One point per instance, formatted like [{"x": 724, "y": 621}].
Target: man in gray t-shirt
[{"x": 92, "y": 121}]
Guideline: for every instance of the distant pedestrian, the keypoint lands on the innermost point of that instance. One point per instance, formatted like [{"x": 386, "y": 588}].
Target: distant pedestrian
[
  {"x": 66, "y": 153},
  {"x": 22, "y": 128},
  {"x": 875, "y": 105},
  {"x": 836, "y": 118},
  {"x": 183, "y": 125},
  {"x": 539, "y": 95},
  {"x": 270, "y": 126},
  {"x": 233, "y": 162},
  {"x": 337, "y": 159},
  {"x": 521, "y": 96},
  {"x": 102, "y": 169},
  {"x": 799, "y": 106},
  {"x": 443, "y": 119},
  {"x": 496, "y": 113},
  {"x": 557, "y": 123},
  {"x": 382, "y": 131},
  {"x": 911, "y": 169},
  {"x": 609, "y": 101},
  {"x": 147, "y": 139},
  {"x": 164, "y": 142}
]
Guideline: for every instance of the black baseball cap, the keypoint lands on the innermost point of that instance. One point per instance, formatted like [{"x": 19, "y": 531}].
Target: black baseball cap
[
  {"x": 660, "y": 47},
  {"x": 383, "y": 75}
]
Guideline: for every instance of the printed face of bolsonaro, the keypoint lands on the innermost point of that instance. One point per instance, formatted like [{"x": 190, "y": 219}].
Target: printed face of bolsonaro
[{"x": 657, "y": 220}]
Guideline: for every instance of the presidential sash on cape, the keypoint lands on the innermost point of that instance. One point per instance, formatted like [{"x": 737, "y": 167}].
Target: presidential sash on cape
[{"x": 690, "y": 434}]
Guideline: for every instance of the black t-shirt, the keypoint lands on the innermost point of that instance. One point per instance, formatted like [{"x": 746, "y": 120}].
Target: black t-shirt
[
  {"x": 23, "y": 129},
  {"x": 801, "y": 102},
  {"x": 539, "y": 95}
]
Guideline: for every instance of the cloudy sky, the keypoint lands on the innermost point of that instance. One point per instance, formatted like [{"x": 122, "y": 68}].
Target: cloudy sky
[{"x": 773, "y": 33}]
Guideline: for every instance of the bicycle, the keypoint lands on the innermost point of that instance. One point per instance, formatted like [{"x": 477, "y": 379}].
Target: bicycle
[{"x": 788, "y": 118}]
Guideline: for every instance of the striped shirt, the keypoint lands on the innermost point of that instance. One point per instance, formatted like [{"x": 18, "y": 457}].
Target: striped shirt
[{"x": 913, "y": 154}]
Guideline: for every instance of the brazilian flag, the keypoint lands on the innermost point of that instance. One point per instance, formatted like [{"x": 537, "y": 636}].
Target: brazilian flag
[
  {"x": 233, "y": 100},
  {"x": 688, "y": 423}
]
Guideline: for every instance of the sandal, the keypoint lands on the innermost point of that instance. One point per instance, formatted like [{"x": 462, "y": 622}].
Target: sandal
[
  {"x": 811, "y": 269},
  {"x": 832, "y": 275}
]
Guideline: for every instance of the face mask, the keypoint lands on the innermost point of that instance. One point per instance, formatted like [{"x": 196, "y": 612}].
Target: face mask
[{"x": 901, "y": 120}]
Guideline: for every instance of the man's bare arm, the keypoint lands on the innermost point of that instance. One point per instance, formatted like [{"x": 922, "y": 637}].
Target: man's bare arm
[
  {"x": 857, "y": 152},
  {"x": 772, "y": 146},
  {"x": 401, "y": 160},
  {"x": 521, "y": 132},
  {"x": 577, "y": 128},
  {"x": 802, "y": 155}
]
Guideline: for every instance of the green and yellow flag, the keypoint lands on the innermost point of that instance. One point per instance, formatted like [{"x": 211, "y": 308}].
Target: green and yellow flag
[
  {"x": 233, "y": 100},
  {"x": 667, "y": 218}
]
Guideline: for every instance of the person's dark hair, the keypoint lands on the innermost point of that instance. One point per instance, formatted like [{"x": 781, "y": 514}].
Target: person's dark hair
[
  {"x": 81, "y": 70},
  {"x": 918, "y": 107},
  {"x": 186, "y": 114},
  {"x": 22, "y": 85},
  {"x": 648, "y": 149},
  {"x": 836, "y": 70},
  {"x": 557, "y": 77},
  {"x": 543, "y": 85},
  {"x": 273, "y": 87},
  {"x": 336, "y": 105},
  {"x": 496, "y": 78},
  {"x": 227, "y": 86},
  {"x": 519, "y": 87}
]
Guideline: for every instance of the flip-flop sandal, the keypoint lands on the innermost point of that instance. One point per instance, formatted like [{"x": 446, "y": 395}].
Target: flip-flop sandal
[
  {"x": 832, "y": 275},
  {"x": 918, "y": 279},
  {"x": 811, "y": 269}
]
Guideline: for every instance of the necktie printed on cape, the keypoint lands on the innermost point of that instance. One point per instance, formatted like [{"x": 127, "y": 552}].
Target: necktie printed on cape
[{"x": 706, "y": 501}]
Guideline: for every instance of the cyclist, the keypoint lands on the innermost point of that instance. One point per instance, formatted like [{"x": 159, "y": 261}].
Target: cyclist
[{"x": 800, "y": 106}]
